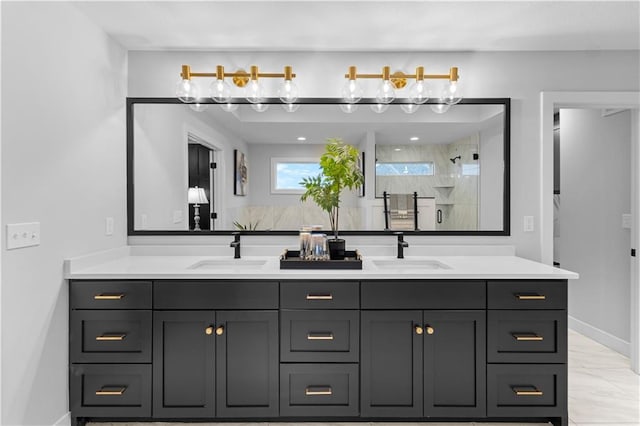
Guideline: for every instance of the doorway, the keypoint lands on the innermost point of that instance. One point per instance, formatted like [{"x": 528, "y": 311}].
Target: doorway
[{"x": 552, "y": 102}]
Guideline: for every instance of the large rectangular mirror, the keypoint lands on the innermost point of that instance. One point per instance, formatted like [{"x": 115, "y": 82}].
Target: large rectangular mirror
[{"x": 210, "y": 168}]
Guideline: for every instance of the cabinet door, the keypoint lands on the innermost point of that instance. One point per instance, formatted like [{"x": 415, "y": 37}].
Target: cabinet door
[
  {"x": 184, "y": 364},
  {"x": 247, "y": 364},
  {"x": 391, "y": 364},
  {"x": 454, "y": 363}
]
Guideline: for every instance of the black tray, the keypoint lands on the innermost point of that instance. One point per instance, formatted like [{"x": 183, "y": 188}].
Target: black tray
[{"x": 290, "y": 259}]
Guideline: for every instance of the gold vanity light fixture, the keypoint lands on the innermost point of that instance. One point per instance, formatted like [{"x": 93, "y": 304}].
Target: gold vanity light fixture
[
  {"x": 220, "y": 90},
  {"x": 418, "y": 93}
]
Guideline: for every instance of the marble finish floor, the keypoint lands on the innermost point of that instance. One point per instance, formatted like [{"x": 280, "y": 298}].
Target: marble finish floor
[{"x": 603, "y": 391}]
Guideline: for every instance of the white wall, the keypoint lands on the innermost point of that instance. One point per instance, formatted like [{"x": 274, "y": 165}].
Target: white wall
[
  {"x": 595, "y": 191},
  {"x": 518, "y": 75},
  {"x": 63, "y": 164}
]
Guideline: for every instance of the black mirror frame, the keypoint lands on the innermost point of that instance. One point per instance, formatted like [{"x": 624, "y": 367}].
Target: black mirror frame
[{"x": 506, "y": 216}]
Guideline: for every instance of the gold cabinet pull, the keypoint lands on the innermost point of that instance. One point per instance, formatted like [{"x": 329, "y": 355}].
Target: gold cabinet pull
[
  {"x": 111, "y": 337},
  {"x": 531, "y": 297},
  {"x": 314, "y": 391},
  {"x": 430, "y": 330},
  {"x": 527, "y": 337},
  {"x": 219, "y": 331},
  {"x": 209, "y": 330},
  {"x": 419, "y": 330},
  {"x": 108, "y": 296},
  {"x": 111, "y": 390},
  {"x": 320, "y": 336},
  {"x": 526, "y": 391},
  {"x": 319, "y": 297}
]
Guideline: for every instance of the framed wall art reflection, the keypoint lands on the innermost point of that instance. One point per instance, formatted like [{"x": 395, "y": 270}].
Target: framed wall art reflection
[{"x": 241, "y": 173}]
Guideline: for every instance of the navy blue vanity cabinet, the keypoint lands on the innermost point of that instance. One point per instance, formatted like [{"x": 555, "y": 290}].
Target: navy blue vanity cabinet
[
  {"x": 215, "y": 349},
  {"x": 426, "y": 359},
  {"x": 527, "y": 349},
  {"x": 110, "y": 348}
]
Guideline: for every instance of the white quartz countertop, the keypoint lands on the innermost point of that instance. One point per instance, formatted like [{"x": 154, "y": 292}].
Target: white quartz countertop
[{"x": 154, "y": 264}]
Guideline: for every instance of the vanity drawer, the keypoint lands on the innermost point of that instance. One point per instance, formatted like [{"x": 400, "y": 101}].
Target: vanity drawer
[
  {"x": 198, "y": 295},
  {"x": 526, "y": 390},
  {"x": 527, "y": 336},
  {"x": 320, "y": 295},
  {"x": 319, "y": 336},
  {"x": 110, "y": 336},
  {"x": 329, "y": 390},
  {"x": 110, "y": 294},
  {"x": 527, "y": 294},
  {"x": 110, "y": 390},
  {"x": 417, "y": 294}
]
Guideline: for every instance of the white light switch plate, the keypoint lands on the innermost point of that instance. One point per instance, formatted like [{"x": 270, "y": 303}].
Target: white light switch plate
[
  {"x": 626, "y": 221},
  {"x": 528, "y": 224},
  {"x": 23, "y": 235}
]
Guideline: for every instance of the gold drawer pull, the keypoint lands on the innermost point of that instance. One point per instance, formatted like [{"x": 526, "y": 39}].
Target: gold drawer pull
[
  {"x": 527, "y": 337},
  {"x": 111, "y": 337},
  {"x": 419, "y": 330},
  {"x": 526, "y": 391},
  {"x": 430, "y": 330},
  {"x": 531, "y": 296},
  {"x": 108, "y": 296},
  {"x": 219, "y": 330},
  {"x": 312, "y": 391},
  {"x": 320, "y": 336},
  {"x": 209, "y": 330},
  {"x": 319, "y": 297},
  {"x": 111, "y": 391}
]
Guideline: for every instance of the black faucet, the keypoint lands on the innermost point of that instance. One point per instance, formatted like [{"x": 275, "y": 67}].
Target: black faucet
[
  {"x": 236, "y": 245},
  {"x": 401, "y": 244}
]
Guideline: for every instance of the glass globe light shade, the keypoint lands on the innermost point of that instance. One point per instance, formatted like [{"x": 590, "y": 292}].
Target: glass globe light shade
[
  {"x": 255, "y": 92},
  {"x": 228, "y": 107},
  {"x": 379, "y": 108},
  {"x": 220, "y": 91},
  {"x": 418, "y": 93},
  {"x": 409, "y": 108},
  {"x": 451, "y": 93},
  {"x": 288, "y": 92},
  {"x": 291, "y": 107},
  {"x": 260, "y": 107},
  {"x": 352, "y": 91},
  {"x": 198, "y": 107},
  {"x": 440, "y": 108},
  {"x": 348, "y": 108},
  {"x": 187, "y": 91},
  {"x": 385, "y": 94}
]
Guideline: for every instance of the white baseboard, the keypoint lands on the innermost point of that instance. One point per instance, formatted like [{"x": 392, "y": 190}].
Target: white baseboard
[
  {"x": 65, "y": 420},
  {"x": 600, "y": 336}
]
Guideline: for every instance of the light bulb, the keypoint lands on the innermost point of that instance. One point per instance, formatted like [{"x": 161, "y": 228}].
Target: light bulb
[
  {"x": 187, "y": 91},
  {"x": 409, "y": 108},
  {"x": 288, "y": 92},
  {"x": 198, "y": 107},
  {"x": 451, "y": 94},
  {"x": 418, "y": 93},
  {"x": 440, "y": 108},
  {"x": 352, "y": 91},
  {"x": 385, "y": 93},
  {"x": 291, "y": 107},
  {"x": 228, "y": 107},
  {"x": 379, "y": 108},
  {"x": 255, "y": 92},
  {"x": 348, "y": 108},
  {"x": 260, "y": 107},
  {"x": 220, "y": 91}
]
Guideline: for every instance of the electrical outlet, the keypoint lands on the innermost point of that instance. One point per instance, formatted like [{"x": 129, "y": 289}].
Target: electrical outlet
[
  {"x": 108, "y": 226},
  {"x": 528, "y": 224},
  {"x": 23, "y": 235},
  {"x": 626, "y": 221},
  {"x": 177, "y": 216}
]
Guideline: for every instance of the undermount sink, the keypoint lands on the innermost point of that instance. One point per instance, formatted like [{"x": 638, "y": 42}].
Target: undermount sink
[
  {"x": 228, "y": 264},
  {"x": 410, "y": 264}
]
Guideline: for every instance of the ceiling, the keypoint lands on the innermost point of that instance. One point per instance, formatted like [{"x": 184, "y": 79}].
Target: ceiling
[{"x": 359, "y": 25}]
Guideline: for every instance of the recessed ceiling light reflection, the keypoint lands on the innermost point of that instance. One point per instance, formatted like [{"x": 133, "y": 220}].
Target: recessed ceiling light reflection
[
  {"x": 302, "y": 138},
  {"x": 414, "y": 138}
]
